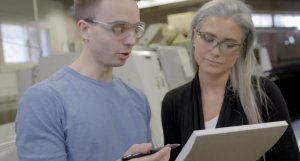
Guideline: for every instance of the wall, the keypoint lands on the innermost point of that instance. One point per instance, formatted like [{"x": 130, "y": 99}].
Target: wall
[
  {"x": 159, "y": 14},
  {"x": 62, "y": 29},
  {"x": 53, "y": 16},
  {"x": 8, "y": 95},
  {"x": 275, "y": 5}
]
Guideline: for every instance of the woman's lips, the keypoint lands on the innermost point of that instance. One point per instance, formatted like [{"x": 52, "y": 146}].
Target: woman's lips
[{"x": 213, "y": 62}]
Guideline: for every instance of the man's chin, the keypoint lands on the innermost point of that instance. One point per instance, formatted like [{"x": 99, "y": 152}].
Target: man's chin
[{"x": 119, "y": 64}]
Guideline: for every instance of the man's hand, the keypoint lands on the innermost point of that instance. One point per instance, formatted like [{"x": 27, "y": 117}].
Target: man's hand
[{"x": 162, "y": 155}]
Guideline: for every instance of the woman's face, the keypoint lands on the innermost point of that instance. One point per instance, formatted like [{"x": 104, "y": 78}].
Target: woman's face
[{"x": 211, "y": 58}]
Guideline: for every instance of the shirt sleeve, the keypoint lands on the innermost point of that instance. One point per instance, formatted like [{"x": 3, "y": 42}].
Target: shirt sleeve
[
  {"x": 286, "y": 148},
  {"x": 169, "y": 122},
  {"x": 38, "y": 127}
]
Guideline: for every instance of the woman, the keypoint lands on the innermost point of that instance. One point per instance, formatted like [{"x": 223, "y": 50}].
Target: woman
[{"x": 225, "y": 91}]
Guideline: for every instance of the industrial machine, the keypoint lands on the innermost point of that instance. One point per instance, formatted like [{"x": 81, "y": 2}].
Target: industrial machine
[
  {"x": 175, "y": 64},
  {"x": 143, "y": 70},
  {"x": 8, "y": 149},
  {"x": 47, "y": 66}
]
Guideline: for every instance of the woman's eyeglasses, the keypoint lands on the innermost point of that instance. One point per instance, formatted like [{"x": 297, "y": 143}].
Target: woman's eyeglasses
[
  {"x": 122, "y": 29},
  {"x": 209, "y": 42}
]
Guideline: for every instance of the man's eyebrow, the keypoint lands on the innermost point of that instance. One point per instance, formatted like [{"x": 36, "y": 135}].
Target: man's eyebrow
[{"x": 227, "y": 39}]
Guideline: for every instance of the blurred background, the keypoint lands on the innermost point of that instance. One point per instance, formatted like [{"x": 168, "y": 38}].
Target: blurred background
[{"x": 39, "y": 37}]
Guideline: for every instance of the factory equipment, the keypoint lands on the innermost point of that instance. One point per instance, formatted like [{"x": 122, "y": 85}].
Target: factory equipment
[
  {"x": 175, "y": 64},
  {"x": 72, "y": 47},
  {"x": 25, "y": 79},
  {"x": 262, "y": 56},
  {"x": 50, "y": 65},
  {"x": 143, "y": 70},
  {"x": 47, "y": 66},
  {"x": 158, "y": 34},
  {"x": 182, "y": 21},
  {"x": 8, "y": 149},
  {"x": 174, "y": 33},
  {"x": 150, "y": 34}
]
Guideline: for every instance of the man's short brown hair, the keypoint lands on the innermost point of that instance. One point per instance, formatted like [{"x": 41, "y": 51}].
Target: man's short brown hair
[{"x": 85, "y": 9}]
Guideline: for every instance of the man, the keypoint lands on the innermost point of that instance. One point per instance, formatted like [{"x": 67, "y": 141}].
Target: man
[{"x": 83, "y": 112}]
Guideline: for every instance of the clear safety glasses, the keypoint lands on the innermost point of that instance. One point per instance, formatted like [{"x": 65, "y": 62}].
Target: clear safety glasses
[
  {"x": 122, "y": 29},
  {"x": 209, "y": 42}
]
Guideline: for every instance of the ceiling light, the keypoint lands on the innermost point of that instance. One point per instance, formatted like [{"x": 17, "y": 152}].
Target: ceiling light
[{"x": 153, "y": 3}]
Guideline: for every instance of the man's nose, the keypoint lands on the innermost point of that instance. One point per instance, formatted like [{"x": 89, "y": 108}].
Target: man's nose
[{"x": 130, "y": 39}]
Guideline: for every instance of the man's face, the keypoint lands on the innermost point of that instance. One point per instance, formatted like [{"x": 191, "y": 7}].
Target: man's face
[{"x": 109, "y": 50}]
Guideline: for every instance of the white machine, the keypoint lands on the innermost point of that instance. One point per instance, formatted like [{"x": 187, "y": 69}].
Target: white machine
[
  {"x": 25, "y": 79},
  {"x": 142, "y": 70},
  {"x": 47, "y": 66},
  {"x": 263, "y": 59},
  {"x": 175, "y": 64},
  {"x": 50, "y": 65},
  {"x": 152, "y": 31},
  {"x": 8, "y": 149}
]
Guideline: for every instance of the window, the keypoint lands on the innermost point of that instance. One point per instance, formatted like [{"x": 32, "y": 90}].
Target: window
[
  {"x": 14, "y": 43},
  {"x": 34, "y": 45},
  {"x": 20, "y": 43},
  {"x": 262, "y": 20},
  {"x": 287, "y": 20}
]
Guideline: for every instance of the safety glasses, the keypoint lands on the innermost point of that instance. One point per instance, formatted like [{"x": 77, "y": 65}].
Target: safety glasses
[{"x": 121, "y": 29}]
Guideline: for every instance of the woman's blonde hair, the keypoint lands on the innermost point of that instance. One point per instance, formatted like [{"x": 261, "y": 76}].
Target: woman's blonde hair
[{"x": 246, "y": 86}]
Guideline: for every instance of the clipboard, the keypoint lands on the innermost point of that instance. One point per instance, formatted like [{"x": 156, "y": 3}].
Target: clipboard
[{"x": 246, "y": 143}]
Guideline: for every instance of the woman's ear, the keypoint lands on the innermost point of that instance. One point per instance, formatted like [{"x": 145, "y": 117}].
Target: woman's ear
[
  {"x": 194, "y": 36},
  {"x": 83, "y": 29},
  {"x": 245, "y": 48}
]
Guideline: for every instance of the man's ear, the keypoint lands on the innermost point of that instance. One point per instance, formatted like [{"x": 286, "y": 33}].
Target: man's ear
[{"x": 83, "y": 29}]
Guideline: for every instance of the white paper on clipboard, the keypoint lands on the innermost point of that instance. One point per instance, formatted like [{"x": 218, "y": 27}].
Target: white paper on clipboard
[{"x": 237, "y": 143}]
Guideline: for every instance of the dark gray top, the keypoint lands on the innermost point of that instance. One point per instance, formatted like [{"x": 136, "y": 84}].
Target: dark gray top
[{"x": 182, "y": 114}]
